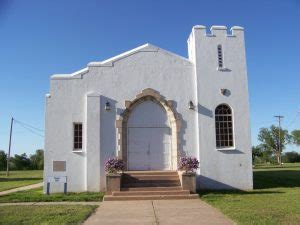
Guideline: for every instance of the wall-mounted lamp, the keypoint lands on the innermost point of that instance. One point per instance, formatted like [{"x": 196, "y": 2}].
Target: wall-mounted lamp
[
  {"x": 225, "y": 91},
  {"x": 191, "y": 105},
  {"x": 107, "y": 106}
]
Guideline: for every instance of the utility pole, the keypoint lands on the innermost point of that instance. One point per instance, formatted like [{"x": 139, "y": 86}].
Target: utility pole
[
  {"x": 279, "y": 117},
  {"x": 9, "y": 145}
]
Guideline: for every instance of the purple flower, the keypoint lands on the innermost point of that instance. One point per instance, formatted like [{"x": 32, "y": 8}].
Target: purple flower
[
  {"x": 188, "y": 164},
  {"x": 114, "y": 165}
]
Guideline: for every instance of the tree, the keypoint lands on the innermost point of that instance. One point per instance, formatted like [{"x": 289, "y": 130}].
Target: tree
[
  {"x": 37, "y": 160},
  {"x": 270, "y": 140},
  {"x": 292, "y": 157},
  {"x": 256, "y": 153},
  {"x": 296, "y": 137},
  {"x": 20, "y": 162},
  {"x": 3, "y": 160}
]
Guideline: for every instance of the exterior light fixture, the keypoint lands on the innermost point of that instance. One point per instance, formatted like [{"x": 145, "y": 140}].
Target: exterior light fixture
[
  {"x": 107, "y": 106},
  {"x": 191, "y": 105},
  {"x": 223, "y": 91}
]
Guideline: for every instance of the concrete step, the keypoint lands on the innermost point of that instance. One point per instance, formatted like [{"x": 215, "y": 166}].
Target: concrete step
[
  {"x": 164, "y": 172},
  {"x": 134, "y": 181},
  {"x": 174, "y": 188},
  {"x": 140, "y": 177},
  {"x": 149, "y": 197},
  {"x": 151, "y": 184},
  {"x": 138, "y": 193}
]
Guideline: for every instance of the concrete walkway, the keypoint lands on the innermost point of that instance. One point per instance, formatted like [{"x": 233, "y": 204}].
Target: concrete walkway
[
  {"x": 162, "y": 212},
  {"x": 32, "y": 186},
  {"x": 50, "y": 203}
]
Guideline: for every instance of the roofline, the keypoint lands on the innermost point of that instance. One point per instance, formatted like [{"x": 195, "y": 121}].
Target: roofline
[{"x": 110, "y": 61}]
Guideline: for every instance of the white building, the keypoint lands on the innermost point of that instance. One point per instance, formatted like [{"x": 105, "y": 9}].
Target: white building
[{"x": 149, "y": 106}]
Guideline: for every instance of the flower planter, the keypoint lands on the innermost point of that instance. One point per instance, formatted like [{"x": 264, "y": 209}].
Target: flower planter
[
  {"x": 113, "y": 182},
  {"x": 188, "y": 181}
]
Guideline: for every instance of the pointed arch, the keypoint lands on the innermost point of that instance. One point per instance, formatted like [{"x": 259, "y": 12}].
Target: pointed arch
[{"x": 174, "y": 120}]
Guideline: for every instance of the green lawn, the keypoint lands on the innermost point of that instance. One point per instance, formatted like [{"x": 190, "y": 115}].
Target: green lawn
[
  {"x": 50, "y": 214},
  {"x": 274, "y": 200},
  {"x": 37, "y": 195},
  {"x": 19, "y": 178}
]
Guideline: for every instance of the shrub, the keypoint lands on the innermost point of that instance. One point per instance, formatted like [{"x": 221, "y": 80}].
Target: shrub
[
  {"x": 188, "y": 164},
  {"x": 114, "y": 165}
]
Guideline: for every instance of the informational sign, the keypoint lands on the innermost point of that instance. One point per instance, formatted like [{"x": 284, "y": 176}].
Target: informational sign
[{"x": 56, "y": 179}]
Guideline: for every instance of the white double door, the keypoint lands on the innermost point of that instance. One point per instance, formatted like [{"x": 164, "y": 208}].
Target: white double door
[
  {"x": 149, "y": 148},
  {"x": 149, "y": 138}
]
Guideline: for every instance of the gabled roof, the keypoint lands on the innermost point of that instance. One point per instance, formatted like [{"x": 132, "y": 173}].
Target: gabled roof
[{"x": 110, "y": 62}]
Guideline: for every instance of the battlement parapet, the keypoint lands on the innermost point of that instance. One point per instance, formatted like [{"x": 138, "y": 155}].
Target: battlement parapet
[{"x": 217, "y": 31}]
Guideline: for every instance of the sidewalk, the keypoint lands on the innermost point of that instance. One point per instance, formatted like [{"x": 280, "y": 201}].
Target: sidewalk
[
  {"x": 32, "y": 186},
  {"x": 50, "y": 203},
  {"x": 163, "y": 212}
]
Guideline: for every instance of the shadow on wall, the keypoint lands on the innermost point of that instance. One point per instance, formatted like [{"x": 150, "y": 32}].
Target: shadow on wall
[
  {"x": 210, "y": 184},
  {"x": 107, "y": 132},
  {"x": 205, "y": 111},
  {"x": 229, "y": 152},
  {"x": 182, "y": 141}
]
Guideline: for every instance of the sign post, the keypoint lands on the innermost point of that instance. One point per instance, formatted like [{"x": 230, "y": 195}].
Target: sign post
[{"x": 57, "y": 179}]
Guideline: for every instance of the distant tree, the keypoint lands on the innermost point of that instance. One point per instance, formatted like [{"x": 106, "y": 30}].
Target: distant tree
[
  {"x": 261, "y": 154},
  {"x": 3, "y": 160},
  {"x": 292, "y": 157},
  {"x": 269, "y": 138},
  {"x": 20, "y": 162},
  {"x": 296, "y": 137},
  {"x": 256, "y": 153},
  {"x": 37, "y": 160}
]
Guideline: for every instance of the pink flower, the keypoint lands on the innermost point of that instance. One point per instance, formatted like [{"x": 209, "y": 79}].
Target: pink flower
[
  {"x": 188, "y": 164},
  {"x": 114, "y": 165}
]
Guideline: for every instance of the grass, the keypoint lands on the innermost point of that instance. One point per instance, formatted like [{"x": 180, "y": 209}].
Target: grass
[
  {"x": 37, "y": 195},
  {"x": 274, "y": 200},
  {"x": 50, "y": 214},
  {"x": 20, "y": 178}
]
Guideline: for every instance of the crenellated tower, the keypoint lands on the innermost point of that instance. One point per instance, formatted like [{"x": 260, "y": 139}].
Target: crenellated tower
[{"x": 221, "y": 80}]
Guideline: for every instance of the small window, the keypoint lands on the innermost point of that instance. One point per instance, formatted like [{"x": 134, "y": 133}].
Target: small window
[
  {"x": 220, "y": 56},
  {"x": 224, "y": 128},
  {"x": 77, "y": 136}
]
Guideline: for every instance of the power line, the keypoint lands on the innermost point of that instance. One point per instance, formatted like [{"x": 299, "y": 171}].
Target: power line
[
  {"x": 28, "y": 125},
  {"x": 31, "y": 130},
  {"x": 293, "y": 120}
]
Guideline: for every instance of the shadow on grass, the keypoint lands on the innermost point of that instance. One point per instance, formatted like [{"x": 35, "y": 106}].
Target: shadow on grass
[
  {"x": 277, "y": 167},
  {"x": 276, "y": 179},
  {"x": 18, "y": 179},
  {"x": 235, "y": 192}
]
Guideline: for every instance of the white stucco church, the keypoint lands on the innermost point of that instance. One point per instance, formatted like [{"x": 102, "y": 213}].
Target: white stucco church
[{"x": 149, "y": 107}]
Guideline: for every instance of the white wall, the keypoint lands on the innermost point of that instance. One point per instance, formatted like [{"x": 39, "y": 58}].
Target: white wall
[
  {"x": 81, "y": 96},
  {"x": 149, "y": 67},
  {"x": 228, "y": 168}
]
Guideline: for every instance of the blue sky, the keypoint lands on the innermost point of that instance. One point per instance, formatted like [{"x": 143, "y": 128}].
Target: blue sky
[{"x": 40, "y": 38}]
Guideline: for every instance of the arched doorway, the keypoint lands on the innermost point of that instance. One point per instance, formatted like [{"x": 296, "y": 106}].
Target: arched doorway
[
  {"x": 169, "y": 120},
  {"x": 149, "y": 137}
]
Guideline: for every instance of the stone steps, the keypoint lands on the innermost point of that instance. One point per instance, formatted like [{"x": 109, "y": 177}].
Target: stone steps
[
  {"x": 150, "y": 185},
  {"x": 135, "y": 178},
  {"x": 173, "y": 188},
  {"x": 149, "y": 197},
  {"x": 136, "y": 173},
  {"x": 154, "y": 193}
]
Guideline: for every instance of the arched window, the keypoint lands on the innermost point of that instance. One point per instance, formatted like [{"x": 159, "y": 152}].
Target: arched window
[
  {"x": 220, "y": 56},
  {"x": 224, "y": 128}
]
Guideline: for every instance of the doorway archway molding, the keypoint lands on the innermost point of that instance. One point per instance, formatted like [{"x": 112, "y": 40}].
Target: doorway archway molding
[{"x": 173, "y": 117}]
